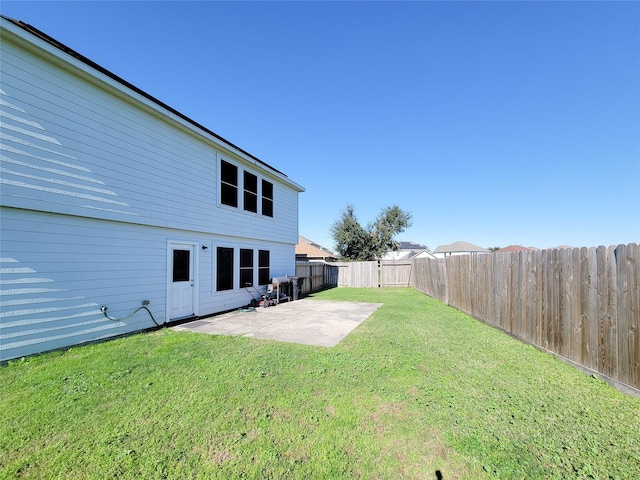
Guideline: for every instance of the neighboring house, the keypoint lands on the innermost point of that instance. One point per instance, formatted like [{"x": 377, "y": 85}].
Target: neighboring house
[
  {"x": 407, "y": 251},
  {"x": 308, "y": 251},
  {"x": 458, "y": 248},
  {"x": 514, "y": 248},
  {"x": 110, "y": 198}
]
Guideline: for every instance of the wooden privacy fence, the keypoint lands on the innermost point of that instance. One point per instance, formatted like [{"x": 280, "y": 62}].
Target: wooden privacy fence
[
  {"x": 383, "y": 273},
  {"x": 375, "y": 274},
  {"x": 317, "y": 275},
  {"x": 582, "y": 304}
]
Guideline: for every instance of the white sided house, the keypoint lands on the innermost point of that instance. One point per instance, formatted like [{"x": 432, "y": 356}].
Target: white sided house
[
  {"x": 458, "y": 248},
  {"x": 110, "y": 198}
]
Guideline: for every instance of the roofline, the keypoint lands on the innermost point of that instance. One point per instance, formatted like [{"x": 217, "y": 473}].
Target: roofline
[
  {"x": 449, "y": 248},
  {"x": 78, "y": 56}
]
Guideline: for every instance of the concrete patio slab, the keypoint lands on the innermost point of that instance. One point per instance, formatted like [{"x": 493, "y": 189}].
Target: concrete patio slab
[{"x": 321, "y": 323}]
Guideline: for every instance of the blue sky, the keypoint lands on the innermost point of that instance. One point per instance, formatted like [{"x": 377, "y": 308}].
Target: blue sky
[{"x": 495, "y": 123}]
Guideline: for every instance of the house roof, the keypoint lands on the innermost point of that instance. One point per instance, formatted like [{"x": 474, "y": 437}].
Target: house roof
[
  {"x": 411, "y": 246},
  {"x": 407, "y": 254},
  {"x": 458, "y": 247},
  {"x": 514, "y": 248},
  {"x": 90, "y": 63},
  {"x": 406, "y": 250},
  {"x": 312, "y": 250}
]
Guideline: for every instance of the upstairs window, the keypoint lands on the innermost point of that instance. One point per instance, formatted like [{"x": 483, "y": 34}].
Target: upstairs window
[
  {"x": 246, "y": 267},
  {"x": 228, "y": 184},
  {"x": 263, "y": 267},
  {"x": 267, "y": 198},
  {"x": 250, "y": 192},
  {"x": 240, "y": 186}
]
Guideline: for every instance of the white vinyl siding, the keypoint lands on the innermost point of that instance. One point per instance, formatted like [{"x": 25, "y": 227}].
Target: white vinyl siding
[
  {"x": 74, "y": 148},
  {"x": 97, "y": 182},
  {"x": 52, "y": 286}
]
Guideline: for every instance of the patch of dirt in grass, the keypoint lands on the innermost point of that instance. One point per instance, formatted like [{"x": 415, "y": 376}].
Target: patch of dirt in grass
[
  {"x": 409, "y": 447},
  {"x": 221, "y": 456},
  {"x": 215, "y": 454},
  {"x": 298, "y": 455},
  {"x": 330, "y": 410},
  {"x": 387, "y": 413}
]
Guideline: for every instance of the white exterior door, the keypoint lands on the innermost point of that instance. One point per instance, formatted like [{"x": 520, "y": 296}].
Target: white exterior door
[{"x": 181, "y": 281}]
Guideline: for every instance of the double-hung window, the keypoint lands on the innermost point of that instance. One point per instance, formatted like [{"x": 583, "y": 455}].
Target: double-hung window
[
  {"x": 228, "y": 184},
  {"x": 250, "y": 192},
  {"x": 246, "y": 267},
  {"x": 267, "y": 198},
  {"x": 263, "y": 267},
  {"x": 224, "y": 268}
]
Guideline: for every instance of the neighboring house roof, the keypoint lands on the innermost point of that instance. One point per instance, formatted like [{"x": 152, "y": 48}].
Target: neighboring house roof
[
  {"x": 514, "y": 248},
  {"x": 460, "y": 247},
  {"x": 90, "y": 63},
  {"x": 410, "y": 246},
  {"x": 407, "y": 255},
  {"x": 408, "y": 250},
  {"x": 310, "y": 250}
]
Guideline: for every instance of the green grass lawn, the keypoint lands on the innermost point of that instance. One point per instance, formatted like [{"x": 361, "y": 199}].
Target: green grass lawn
[{"x": 419, "y": 390}]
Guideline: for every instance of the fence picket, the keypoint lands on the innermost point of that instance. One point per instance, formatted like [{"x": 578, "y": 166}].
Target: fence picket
[
  {"x": 575, "y": 318},
  {"x": 612, "y": 313},
  {"x": 633, "y": 282}
]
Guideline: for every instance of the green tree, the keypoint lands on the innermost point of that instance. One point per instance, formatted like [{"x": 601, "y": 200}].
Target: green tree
[
  {"x": 350, "y": 238},
  {"x": 354, "y": 242}
]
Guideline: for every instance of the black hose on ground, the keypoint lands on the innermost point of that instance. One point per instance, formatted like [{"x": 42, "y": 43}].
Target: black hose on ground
[{"x": 104, "y": 311}]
